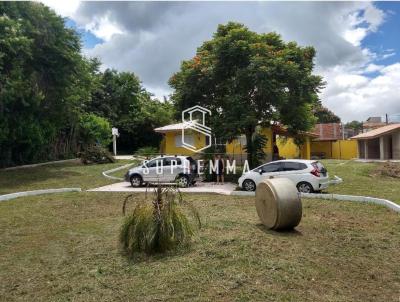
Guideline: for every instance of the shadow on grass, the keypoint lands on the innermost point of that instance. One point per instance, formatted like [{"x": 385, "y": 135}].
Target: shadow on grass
[
  {"x": 282, "y": 233},
  {"x": 25, "y": 177}
]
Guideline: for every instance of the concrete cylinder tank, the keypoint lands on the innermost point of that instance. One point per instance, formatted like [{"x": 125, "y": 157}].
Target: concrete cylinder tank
[{"x": 278, "y": 204}]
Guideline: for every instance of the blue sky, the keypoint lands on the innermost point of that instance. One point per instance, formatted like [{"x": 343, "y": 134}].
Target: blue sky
[
  {"x": 388, "y": 36},
  {"x": 89, "y": 40}
]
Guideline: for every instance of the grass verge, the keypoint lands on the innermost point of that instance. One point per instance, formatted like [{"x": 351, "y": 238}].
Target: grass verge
[
  {"x": 64, "y": 247},
  {"x": 358, "y": 179},
  {"x": 72, "y": 174}
]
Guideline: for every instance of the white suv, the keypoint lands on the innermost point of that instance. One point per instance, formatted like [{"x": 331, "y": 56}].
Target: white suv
[
  {"x": 164, "y": 169},
  {"x": 308, "y": 175}
]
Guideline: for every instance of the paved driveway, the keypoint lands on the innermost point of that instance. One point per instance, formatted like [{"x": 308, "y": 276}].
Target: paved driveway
[{"x": 201, "y": 187}]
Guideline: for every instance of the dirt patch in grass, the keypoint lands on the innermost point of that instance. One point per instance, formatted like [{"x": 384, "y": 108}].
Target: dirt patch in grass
[
  {"x": 389, "y": 169},
  {"x": 64, "y": 247}
]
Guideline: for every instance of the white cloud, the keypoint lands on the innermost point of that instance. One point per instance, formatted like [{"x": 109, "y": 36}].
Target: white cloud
[
  {"x": 152, "y": 38},
  {"x": 373, "y": 68},
  {"x": 350, "y": 80},
  {"x": 103, "y": 28},
  {"x": 357, "y": 97},
  {"x": 361, "y": 22},
  {"x": 63, "y": 8}
]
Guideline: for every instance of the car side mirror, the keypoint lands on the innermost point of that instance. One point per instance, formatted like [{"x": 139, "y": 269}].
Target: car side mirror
[{"x": 260, "y": 171}]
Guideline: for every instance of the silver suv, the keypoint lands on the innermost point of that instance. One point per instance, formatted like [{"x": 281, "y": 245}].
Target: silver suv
[{"x": 164, "y": 169}]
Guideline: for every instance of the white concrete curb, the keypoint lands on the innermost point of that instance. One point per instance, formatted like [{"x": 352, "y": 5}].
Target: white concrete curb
[
  {"x": 37, "y": 192},
  {"x": 105, "y": 173},
  {"x": 41, "y": 164},
  {"x": 384, "y": 202}
]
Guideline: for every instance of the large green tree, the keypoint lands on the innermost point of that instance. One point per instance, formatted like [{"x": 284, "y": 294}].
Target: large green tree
[
  {"x": 120, "y": 97},
  {"x": 54, "y": 101},
  {"x": 44, "y": 81},
  {"x": 247, "y": 80}
]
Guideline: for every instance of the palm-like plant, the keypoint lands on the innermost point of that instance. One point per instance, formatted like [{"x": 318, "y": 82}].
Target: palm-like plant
[{"x": 158, "y": 224}]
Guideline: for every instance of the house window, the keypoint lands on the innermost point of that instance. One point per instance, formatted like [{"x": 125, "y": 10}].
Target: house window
[{"x": 189, "y": 139}]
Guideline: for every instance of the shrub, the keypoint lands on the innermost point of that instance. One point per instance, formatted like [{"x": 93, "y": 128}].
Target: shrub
[
  {"x": 233, "y": 178},
  {"x": 96, "y": 155},
  {"x": 157, "y": 225},
  {"x": 94, "y": 130}
]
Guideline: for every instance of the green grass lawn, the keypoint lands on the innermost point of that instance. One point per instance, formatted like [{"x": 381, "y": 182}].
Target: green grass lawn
[
  {"x": 64, "y": 247},
  {"x": 357, "y": 180},
  {"x": 72, "y": 174}
]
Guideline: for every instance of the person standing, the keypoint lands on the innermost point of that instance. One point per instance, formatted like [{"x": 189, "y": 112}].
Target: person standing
[
  {"x": 275, "y": 155},
  {"x": 220, "y": 169}
]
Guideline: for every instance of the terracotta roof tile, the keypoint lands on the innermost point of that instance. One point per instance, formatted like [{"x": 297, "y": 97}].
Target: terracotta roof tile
[{"x": 377, "y": 132}]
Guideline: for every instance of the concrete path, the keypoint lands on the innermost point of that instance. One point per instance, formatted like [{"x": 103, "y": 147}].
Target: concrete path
[{"x": 225, "y": 189}]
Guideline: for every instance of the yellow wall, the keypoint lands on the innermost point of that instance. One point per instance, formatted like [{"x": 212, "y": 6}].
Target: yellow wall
[
  {"x": 340, "y": 149},
  {"x": 322, "y": 147},
  {"x": 235, "y": 147},
  {"x": 171, "y": 148},
  {"x": 288, "y": 149},
  {"x": 344, "y": 149}
]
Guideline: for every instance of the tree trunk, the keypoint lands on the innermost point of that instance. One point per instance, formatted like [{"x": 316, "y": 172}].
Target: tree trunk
[{"x": 249, "y": 146}]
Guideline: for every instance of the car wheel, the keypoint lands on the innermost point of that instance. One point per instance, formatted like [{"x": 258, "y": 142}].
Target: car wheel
[
  {"x": 136, "y": 181},
  {"x": 249, "y": 185},
  {"x": 305, "y": 187},
  {"x": 182, "y": 181}
]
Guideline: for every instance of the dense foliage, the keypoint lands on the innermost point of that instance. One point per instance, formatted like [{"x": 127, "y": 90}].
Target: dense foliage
[
  {"x": 94, "y": 130},
  {"x": 120, "y": 98},
  {"x": 355, "y": 125},
  {"x": 258, "y": 143},
  {"x": 324, "y": 115},
  {"x": 248, "y": 79},
  {"x": 54, "y": 101},
  {"x": 43, "y": 79}
]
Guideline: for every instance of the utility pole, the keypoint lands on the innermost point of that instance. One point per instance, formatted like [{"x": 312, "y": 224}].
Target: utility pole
[
  {"x": 343, "y": 129},
  {"x": 115, "y": 133}
]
